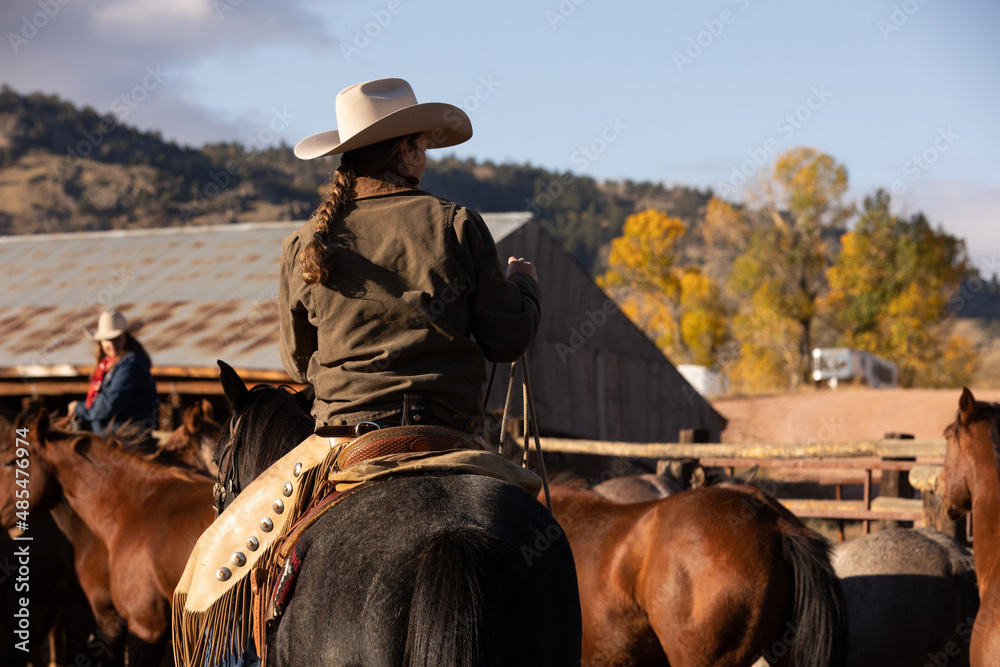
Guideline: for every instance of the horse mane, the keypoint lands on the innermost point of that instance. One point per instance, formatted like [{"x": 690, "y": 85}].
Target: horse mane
[
  {"x": 267, "y": 425},
  {"x": 985, "y": 411},
  {"x": 121, "y": 444}
]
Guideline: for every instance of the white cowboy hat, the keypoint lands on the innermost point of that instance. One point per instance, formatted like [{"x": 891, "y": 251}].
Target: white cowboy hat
[
  {"x": 111, "y": 324},
  {"x": 374, "y": 111}
]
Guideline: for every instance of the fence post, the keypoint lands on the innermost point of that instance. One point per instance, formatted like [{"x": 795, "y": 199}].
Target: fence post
[{"x": 895, "y": 483}]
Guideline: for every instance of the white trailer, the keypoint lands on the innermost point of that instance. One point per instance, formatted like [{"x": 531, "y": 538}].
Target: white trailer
[{"x": 833, "y": 365}]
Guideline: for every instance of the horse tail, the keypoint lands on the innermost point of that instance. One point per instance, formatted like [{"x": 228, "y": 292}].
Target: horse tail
[
  {"x": 818, "y": 624},
  {"x": 462, "y": 611}
]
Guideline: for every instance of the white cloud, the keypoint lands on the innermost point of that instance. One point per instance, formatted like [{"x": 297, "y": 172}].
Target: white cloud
[
  {"x": 150, "y": 15},
  {"x": 94, "y": 53}
]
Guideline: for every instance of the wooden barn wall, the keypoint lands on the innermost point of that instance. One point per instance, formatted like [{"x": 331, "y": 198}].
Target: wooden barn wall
[{"x": 594, "y": 374}]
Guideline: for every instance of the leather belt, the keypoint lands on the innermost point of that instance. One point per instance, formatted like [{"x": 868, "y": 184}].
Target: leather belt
[{"x": 347, "y": 430}]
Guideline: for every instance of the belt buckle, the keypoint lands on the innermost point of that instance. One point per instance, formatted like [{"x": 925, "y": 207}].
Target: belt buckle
[{"x": 365, "y": 427}]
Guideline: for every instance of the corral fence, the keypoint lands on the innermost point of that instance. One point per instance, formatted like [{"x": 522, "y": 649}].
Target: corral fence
[{"x": 898, "y": 464}]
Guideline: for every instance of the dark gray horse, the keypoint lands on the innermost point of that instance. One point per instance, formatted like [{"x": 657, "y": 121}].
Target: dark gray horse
[
  {"x": 911, "y": 598},
  {"x": 423, "y": 571}
]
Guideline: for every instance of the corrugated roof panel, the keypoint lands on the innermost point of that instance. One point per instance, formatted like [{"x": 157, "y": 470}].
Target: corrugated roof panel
[{"x": 204, "y": 293}]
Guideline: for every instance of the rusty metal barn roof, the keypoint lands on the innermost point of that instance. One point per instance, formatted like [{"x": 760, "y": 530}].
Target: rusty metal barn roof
[{"x": 204, "y": 293}]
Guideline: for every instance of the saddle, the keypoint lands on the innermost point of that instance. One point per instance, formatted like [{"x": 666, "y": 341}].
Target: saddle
[{"x": 226, "y": 593}]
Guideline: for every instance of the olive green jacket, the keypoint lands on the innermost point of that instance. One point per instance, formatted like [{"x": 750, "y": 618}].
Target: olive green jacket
[{"x": 415, "y": 302}]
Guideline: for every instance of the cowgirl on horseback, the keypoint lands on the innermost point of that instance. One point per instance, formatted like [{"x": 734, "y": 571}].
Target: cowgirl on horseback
[
  {"x": 390, "y": 302},
  {"x": 391, "y": 299},
  {"x": 122, "y": 390}
]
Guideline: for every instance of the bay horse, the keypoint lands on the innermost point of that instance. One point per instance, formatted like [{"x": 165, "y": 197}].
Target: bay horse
[
  {"x": 911, "y": 597},
  {"x": 416, "y": 570},
  {"x": 972, "y": 483},
  {"x": 145, "y": 515},
  {"x": 192, "y": 444},
  {"x": 711, "y": 577}
]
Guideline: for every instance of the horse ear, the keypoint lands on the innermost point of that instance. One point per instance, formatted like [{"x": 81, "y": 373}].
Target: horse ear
[
  {"x": 748, "y": 476},
  {"x": 41, "y": 424},
  {"x": 307, "y": 396},
  {"x": 966, "y": 406},
  {"x": 194, "y": 417},
  {"x": 232, "y": 384},
  {"x": 698, "y": 478},
  {"x": 208, "y": 409}
]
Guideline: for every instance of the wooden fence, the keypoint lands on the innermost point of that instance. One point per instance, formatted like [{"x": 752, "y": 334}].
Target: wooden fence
[{"x": 899, "y": 466}]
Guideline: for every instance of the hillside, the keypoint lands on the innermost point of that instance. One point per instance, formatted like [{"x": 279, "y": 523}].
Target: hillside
[{"x": 68, "y": 169}]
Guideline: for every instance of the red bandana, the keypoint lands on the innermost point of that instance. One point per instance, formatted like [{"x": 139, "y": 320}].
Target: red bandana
[{"x": 98, "y": 378}]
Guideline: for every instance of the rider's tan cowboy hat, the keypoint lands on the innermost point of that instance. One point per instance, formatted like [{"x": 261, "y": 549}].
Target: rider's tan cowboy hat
[
  {"x": 112, "y": 324},
  {"x": 374, "y": 111}
]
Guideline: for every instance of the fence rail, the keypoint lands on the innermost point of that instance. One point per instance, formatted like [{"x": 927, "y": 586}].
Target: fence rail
[{"x": 833, "y": 463}]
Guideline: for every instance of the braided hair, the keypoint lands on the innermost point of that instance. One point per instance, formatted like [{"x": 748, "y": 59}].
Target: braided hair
[{"x": 380, "y": 160}]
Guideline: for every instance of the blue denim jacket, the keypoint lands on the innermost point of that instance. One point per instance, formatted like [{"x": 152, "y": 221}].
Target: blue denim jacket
[{"x": 128, "y": 393}]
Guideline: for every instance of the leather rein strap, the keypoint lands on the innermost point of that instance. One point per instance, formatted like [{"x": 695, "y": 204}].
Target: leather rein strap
[{"x": 530, "y": 422}]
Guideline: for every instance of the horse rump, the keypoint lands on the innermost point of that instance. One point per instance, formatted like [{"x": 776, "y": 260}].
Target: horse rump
[
  {"x": 461, "y": 612},
  {"x": 458, "y": 574},
  {"x": 818, "y": 623}
]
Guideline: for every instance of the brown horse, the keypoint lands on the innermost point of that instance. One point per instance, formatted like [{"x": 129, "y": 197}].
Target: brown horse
[
  {"x": 147, "y": 516},
  {"x": 59, "y": 618},
  {"x": 186, "y": 447},
  {"x": 972, "y": 480},
  {"x": 192, "y": 444},
  {"x": 709, "y": 577},
  {"x": 90, "y": 561}
]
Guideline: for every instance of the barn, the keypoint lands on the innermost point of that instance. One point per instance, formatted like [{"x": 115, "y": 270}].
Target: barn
[{"x": 208, "y": 293}]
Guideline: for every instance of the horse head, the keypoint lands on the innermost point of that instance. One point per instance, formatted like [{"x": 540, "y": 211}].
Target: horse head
[
  {"x": 28, "y": 481},
  {"x": 963, "y": 434},
  {"x": 265, "y": 424},
  {"x": 192, "y": 444}
]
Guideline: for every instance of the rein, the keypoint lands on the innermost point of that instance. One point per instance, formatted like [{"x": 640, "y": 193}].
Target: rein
[
  {"x": 228, "y": 482},
  {"x": 530, "y": 421}
]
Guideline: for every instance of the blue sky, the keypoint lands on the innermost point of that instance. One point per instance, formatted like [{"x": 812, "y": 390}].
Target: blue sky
[{"x": 903, "y": 93}]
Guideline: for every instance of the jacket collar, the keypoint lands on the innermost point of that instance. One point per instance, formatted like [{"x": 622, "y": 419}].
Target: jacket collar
[{"x": 367, "y": 186}]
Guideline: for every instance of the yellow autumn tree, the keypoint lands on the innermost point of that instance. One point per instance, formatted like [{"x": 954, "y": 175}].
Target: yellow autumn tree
[
  {"x": 679, "y": 308},
  {"x": 889, "y": 292},
  {"x": 704, "y": 326},
  {"x": 783, "y": 267}
]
